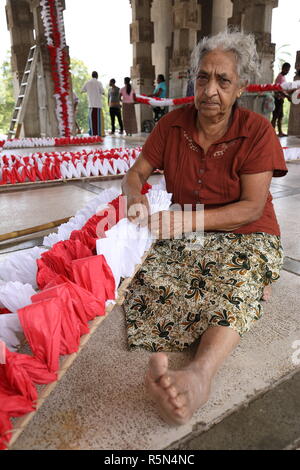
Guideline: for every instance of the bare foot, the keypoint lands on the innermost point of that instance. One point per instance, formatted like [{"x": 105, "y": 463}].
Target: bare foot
[
  {"x": 267, "y": 293},
  {"x": 178, "y": 393}
]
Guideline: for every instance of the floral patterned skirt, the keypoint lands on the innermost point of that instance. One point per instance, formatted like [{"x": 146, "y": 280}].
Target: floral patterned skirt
[{"x": 184, "y": 286}]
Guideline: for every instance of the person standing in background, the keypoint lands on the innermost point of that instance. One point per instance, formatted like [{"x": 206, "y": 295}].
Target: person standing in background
[
  {"x": 160, "y": 91},
  {"x": 127, "y": 95},
  {"x": 95, "y": 90},
  {"x": 294, "y": 117},
  {"x": 279, "y": 99},
  {"x": 190, "y": 85},
  {"x": 114, "y": 105}
]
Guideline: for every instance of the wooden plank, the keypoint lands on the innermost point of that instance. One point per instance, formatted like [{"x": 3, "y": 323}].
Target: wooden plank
[
  {"x": 30, "y": 230},
  {"x": 7, "y": 187}
]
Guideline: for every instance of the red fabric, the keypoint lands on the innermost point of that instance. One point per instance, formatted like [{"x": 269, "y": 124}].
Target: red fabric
[
  {"x": 85, "y": 304},
  {"x": 70, "y": 327},
  {"x": 58, "y": 261},
  {"x": 4, "y": 311},
  {"x": 95, "y": 275},
  {"x": 41, "y": 323},
  {"x": 14, "y": 378},
  {"x": 17, "y": 392},
  {"x": 36, "y": 370},
  {"x": 85, "y": 239},
  {"x": 5, "y": 428},
  {"x": 58, "y": 315}
]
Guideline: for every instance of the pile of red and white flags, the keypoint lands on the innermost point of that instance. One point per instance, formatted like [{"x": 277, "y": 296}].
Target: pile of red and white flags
[
  {"x": 51, "y": 295},
  {"x": 33, "y": 142},
  {"x": 65, "y": 165}
]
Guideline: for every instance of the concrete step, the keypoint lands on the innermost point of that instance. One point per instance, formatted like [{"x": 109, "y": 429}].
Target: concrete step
[
  {"x": 270, "y": 422},
  {"x": 100, "y": 403}
]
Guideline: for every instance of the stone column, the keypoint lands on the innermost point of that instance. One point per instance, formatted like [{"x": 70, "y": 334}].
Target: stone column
[
  {"x": 186, "y": 24},
  {"x": 20, "y": 25},
  {"x": 221, "y": 11},
  {"x": 142, "y": 71},
  {"x": 26, "y": 28},
  {"x": 256, "y": 17},
  {"x": 161, "y": 48}
]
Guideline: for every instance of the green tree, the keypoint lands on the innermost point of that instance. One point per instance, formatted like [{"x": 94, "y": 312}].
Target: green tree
[
  {"x": 80, "y": 75},
  {"x": 7, "y": 100}
]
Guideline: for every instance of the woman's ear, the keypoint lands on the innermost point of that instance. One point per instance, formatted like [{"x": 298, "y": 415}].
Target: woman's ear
[{"x": 242, "y": 87}]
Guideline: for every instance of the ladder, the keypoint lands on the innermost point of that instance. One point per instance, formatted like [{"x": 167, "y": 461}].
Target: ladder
[{"x": 25, "y": 87}]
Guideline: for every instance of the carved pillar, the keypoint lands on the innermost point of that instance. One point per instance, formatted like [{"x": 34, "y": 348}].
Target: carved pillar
[
  {"x": 46, "y": 90},
  {"x": 256, "y": 17},
  {"x": 20, "y": 25},
  {"x": 186, "y": 24},
  {"x": 26, "y": 28},
  {"x": 141, "y": 37},
  {"x": 161, "y": 48},
  {"x": 221, "y": 11},
  {"x": 45, "y": 85}
]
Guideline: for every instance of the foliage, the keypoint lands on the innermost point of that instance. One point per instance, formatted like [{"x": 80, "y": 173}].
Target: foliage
[
  {"x": 7, "y": 100},
  {"x": 80, "y": 75},
  {"x": 286, "y": 112},
  {"x": 282, "y": 55}
]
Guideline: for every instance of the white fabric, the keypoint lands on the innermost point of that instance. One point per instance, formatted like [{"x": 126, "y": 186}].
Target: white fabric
[
  {"x": 21, "y": 266},
  {"x": 292, "y": 153},
  {"x": 11, "y": 330},
  {"x": 15, "y": 295},
  {"x": 291, "y": 85},
  {"x": 126, "y": 243},
  {"x": 94, "y": 90}
]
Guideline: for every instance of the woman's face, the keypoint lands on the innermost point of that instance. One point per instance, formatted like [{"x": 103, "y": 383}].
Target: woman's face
[{"x": 217, "y": 84}]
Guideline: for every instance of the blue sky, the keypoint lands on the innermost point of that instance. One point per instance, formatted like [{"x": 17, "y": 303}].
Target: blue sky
[{"x": 98, "y": 33}]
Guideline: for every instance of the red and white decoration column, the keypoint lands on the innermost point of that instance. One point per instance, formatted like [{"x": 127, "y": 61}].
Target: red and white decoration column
[{"x": 52, "y": 17}]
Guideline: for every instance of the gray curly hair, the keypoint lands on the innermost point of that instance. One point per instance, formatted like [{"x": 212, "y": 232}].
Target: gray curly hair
[{"x": 242, "y": 45}]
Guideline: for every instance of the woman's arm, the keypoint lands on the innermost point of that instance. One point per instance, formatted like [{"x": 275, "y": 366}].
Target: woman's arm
[
  {"x": 254, "y": 193},
  {"x": 132, "y": 184}
]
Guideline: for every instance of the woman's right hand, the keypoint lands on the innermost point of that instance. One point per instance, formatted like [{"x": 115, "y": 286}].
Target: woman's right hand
[{"x": 137, "y": 208}]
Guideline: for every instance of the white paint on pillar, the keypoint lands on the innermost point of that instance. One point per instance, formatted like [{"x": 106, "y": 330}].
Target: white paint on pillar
[{"x": 222, "y": 10}]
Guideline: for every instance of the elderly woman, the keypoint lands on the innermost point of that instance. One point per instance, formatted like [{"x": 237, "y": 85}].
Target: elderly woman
[{"x": 205, "y": 287}]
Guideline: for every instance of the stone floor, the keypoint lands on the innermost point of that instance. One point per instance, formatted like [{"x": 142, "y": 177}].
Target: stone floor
[{"x": 100, "y": 402}]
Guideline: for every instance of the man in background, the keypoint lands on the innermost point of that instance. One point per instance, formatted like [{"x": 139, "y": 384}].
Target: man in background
[{"x": 95, "y": 90}]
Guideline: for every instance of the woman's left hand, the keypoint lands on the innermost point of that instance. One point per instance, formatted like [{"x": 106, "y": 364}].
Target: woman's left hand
[{"x": 165, "y": 224}]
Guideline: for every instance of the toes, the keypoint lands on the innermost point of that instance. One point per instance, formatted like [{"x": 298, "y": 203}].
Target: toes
[
  {"x": 179, "y": 401},
  {"x": 158, "y": 365},
  {"x": 165, "y": 381},
  {"x": 182, "y": 414},
  {"x": 172, "y": 391}
]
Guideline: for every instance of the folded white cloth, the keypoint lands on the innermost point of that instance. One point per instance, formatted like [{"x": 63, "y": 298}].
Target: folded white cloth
[
  {"x": 15, "y": 295},
  {"x": 11, "y": 331},
  {"x": 21, "y": 266},
  {"x": 126, "y": 243}
]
